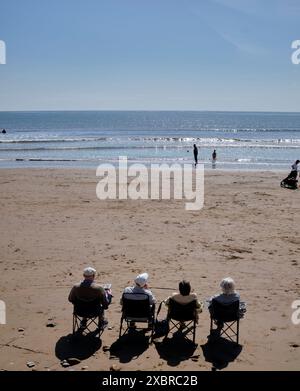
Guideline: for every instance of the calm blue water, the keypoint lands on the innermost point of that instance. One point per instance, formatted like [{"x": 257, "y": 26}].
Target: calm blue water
[{"x": 86, "y": 138}]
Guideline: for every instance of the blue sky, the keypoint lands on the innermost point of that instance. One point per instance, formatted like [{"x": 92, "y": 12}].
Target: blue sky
[{"x": 150, "y": 55}]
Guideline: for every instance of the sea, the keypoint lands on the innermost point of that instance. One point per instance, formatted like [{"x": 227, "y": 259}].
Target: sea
[{"x": 242, "y": 140}]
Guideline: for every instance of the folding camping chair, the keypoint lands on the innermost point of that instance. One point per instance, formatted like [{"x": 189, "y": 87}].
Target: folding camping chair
[
  {"x": 92, "y": 312},
  {"x": 227, "y": 316},
  {"x": 183, "y": 318},
  {"x": 136, "y": 308}
]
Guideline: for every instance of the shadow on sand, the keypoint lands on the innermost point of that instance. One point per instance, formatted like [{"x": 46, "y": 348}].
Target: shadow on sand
[
  {"x": 175, "y": 349},
  {"x": 129, "y": 346},
  {"x": 220, "y": 352},
  {"x": 80, "y": 347}
]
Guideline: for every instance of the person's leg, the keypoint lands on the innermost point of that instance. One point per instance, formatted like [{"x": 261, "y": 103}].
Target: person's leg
[{"x": 103, "y": 322}]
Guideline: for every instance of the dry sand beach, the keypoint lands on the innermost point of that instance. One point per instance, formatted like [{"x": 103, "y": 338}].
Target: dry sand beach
[{"x": 52, "y": 226}]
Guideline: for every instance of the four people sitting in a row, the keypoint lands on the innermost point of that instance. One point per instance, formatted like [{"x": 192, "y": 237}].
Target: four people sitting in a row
[{"x": 88, "y": 290}]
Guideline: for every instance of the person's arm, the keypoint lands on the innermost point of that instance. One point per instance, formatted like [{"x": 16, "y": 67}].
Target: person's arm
[
  {"x": 103, "y": 299},
  {"x": 152, "y": 298},
  {"x": 167, "y": 301},
  {"x": 211, "y": 299},
  {"x": 72, "y": 296},
  {"x": 199, "y": 306}
]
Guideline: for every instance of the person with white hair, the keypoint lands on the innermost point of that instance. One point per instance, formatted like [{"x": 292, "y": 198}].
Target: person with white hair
[
  {"x": 88, "y": 290},
  {"x": 228, "y": 296},
  {"x": 140, "y": 286}
]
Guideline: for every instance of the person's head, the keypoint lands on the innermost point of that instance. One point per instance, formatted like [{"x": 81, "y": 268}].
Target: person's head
[
  {"x": 184, "y": 288},
  {"x": 89, "y": 273},
  {"x": 195, "y": 146},
  {"x": 228, "y": 286},
  {"x": 141, "y": 280}
]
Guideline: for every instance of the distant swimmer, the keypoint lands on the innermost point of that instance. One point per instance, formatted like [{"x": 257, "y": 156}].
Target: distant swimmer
[
  {"x": 195, "y": 154},
  {"x": 3, "y": 131},
  {"x": 214, "y": 159}
]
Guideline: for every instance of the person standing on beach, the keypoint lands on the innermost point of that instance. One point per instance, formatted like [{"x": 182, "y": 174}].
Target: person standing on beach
[
  {"x": 214, "y": 159},
  {"x": 195, "y": 154}
]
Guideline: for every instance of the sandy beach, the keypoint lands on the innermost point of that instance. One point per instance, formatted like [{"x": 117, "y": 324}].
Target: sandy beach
[{"x": 53, "y": 225}]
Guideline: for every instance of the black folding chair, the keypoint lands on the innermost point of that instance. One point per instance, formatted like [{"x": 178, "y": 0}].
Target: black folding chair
[
  {"x": 183, "y": 318},
  {"x": 227, "y": 317},
  {"x": 92, "y": 312},
  {"x": 136, "y": 308}
]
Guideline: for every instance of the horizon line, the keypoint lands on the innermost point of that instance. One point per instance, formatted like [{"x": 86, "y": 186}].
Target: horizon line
[{"x": 148, "y": 110}]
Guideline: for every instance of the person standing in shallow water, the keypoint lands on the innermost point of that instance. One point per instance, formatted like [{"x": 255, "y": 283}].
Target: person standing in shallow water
[{"x": 195, "y": 154}]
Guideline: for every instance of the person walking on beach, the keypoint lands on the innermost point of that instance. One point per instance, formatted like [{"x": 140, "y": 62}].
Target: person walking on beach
[
  {"x": 214, "y": 159},
  {"x": 195, "y": 154}
]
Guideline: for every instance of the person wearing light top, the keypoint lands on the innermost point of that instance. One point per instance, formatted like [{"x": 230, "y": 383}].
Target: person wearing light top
[
  {"x": 185, "y": 297},
  {"x": 134, "y": 292},
  {"x": 141, "y": 286}
]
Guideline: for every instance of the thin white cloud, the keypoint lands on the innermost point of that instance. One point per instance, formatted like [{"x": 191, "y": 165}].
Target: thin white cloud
[
  {"x": 230, "y": 22},
  {"x": 242, "y": 46}
]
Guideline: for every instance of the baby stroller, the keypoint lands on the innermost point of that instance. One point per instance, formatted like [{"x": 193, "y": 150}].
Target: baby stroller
[{"x": 290, "y": 182}]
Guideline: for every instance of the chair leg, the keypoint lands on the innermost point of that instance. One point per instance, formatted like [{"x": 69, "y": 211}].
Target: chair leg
[
  {"x": 237, "y": 331},
  {"x": 99, "y": 325},
  {"x": 121, "y": 325},
  {"x": 165, "y": 337},
  {"x": 74, "y": 324},
  {"x": 152, "y": 332},
  {"x": 194, "y": 332}
]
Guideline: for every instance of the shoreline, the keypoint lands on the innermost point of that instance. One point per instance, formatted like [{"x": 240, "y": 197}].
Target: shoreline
[{"x": 148, "y": 165}]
